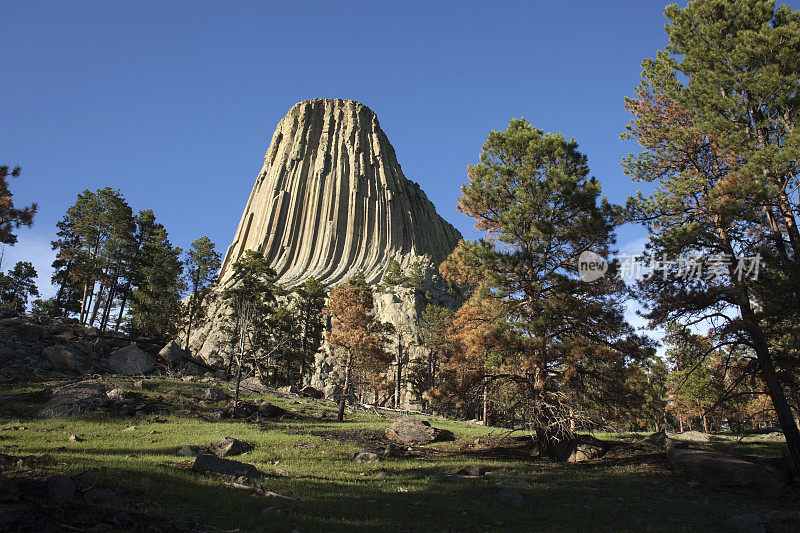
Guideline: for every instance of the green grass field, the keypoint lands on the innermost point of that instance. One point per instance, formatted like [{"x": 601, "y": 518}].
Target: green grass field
[{"x": 308, "y": 458}]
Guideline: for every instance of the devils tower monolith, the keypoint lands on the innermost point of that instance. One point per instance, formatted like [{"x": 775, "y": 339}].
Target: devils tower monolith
[{"x": 332, "y": 200}]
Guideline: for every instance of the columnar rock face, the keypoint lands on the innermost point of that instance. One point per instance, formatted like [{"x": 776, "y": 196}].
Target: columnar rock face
[{"x": 331, "y": 200}]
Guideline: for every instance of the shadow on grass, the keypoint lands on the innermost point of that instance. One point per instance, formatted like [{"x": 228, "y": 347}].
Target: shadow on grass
[{"x": 397, "y": 494}]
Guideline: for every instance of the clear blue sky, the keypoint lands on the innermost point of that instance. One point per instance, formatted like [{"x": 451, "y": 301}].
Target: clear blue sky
[{"x": 174, "y": 103}]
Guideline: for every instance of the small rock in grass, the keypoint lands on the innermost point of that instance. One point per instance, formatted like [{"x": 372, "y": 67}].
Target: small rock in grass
[
  {"x": 229, "y": 446},
  {"x": 510, "y": 496},
  {"x": 215, "y": 394},
  {"x": 60, "y": 487},
  {"x": 365, "y": 456},
  {"x": 471, "y": 470},
  {"x": 513, "y": 483},
  {"x": 116, "y": 394},
  {"x": 187, "y": 450}
]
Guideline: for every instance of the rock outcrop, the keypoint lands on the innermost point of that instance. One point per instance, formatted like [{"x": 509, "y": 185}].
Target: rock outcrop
[{"x": 331, "y": 200}]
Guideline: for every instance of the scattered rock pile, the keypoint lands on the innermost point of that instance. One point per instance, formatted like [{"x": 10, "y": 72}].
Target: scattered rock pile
[{"x": 37, "y": 346}]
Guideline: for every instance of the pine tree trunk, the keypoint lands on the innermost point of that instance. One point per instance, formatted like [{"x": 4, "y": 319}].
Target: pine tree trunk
[
  {"x": 238, "y": 383},
  {"x": 107, "y": 312},
  {"x": 191, "y": 315},
  {"x": 122, "y": 306},
  {"x": 304, "y": 347},
  {"x": 765, "y": 362},
  {"x": 399, "y": 376},
  {"x": 346, "y": 388},
  {"x": 59, "y": 304},
  {"x": 485, "y": 401},
  {"x": 98, "y": 300}
]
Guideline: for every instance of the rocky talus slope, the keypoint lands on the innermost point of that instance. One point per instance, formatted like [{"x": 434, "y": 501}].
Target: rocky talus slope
[{"x": 38, "y": 347}]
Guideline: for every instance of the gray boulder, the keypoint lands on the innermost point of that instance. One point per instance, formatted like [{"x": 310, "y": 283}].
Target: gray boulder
[
  {"x": 332, "y": 392},
  {"x": 208, "y": 463},
  {"x": 64, "y": 358},
  {"x": 289, "y": 389},
  {"x": 253, "y": 384},
  {"x": 586, "y": 448},
  {"x": 365, "y": 456},
  {"x": 76, "y": 400},
  {"x": 188, "y": 450},
  {"x": 578, "y": 449},
  {"x": 131, "y": 360},
  {"x": 659, "y": 438},
  {"x": 311, "y": 392},
  {"x": 696, "y": 436},
  {"x": 215, "y": 394},
  {"x": 718, "y": 469},
  {"x": 268, "y": 410},
  {"x": 229, "y": 446},
  {"x": 407, "y": 430},
  {"x": 172, "y": 353}
]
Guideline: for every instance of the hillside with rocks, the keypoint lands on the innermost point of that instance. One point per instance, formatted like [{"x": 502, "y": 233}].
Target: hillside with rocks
[{"x": 39, "y": 346}]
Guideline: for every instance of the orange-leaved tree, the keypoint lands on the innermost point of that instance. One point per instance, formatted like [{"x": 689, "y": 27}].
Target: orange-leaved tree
[{"x": 356, "y": 331}]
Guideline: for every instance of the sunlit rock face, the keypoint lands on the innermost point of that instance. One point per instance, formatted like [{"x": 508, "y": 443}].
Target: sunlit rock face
[{"x": 332, "y": 200}]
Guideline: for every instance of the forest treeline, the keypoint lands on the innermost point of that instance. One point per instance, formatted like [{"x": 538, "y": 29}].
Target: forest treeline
[{"x": 534, "y": 343}]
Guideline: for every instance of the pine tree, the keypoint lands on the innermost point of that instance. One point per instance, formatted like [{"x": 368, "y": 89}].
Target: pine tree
[
  {"x": 155, "y": 302},
  {"x": 394, "y": 274},
  {"x": 18, "y": 285},
  {"x": 93, "y": 238},
  {"x": 532, "y": 196},
  {"x": 423, "y": 372},
  {"x": 715, "y": 114},
  {"x": 415, "y": 277},
  {"x": 309, "y": 299},
  {"x": 201, "y": 266},
  {"x": 12, "y": 217},
  {"x": 250, "y": 295}
]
